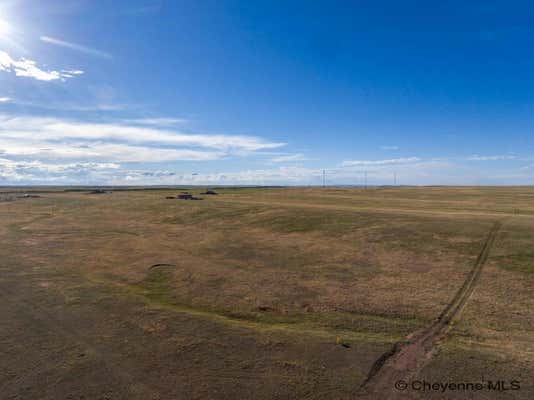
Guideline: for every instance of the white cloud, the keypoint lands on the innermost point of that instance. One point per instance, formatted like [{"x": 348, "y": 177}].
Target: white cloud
[
  {"x": 353, "y": 163},
  {"x": 423, "y": 172},
  {"x": 91, "y": 172},
  {"x": 30, "y": 171},
  {"x": 54, "y": 130},
  {"x": 281, "y": 175},
  {"x": 75, "y": 46},
  {"x": 289, "y": 158},
  {"x": 101, "y": 151},
  {"x": 156, "y": 122},
  {"x": 4, "y": 99},
  {"x": 65, "y": 106},
  {"x": 53, "y": 138},
  {"x": 145, "y": 176},
  {"x": 492, "y": 158},
  {"x": 28, "y": 68}
]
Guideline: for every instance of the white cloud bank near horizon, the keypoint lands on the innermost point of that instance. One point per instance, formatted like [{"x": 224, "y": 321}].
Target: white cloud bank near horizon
[
  {"x": 52, "y": 150},
  {"x": 424, "y": 172},
  {"x": 408, "y": 173},
  {"x": 112, "y": 173}
]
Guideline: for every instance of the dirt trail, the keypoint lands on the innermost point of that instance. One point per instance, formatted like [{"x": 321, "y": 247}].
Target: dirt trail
[{"x": 406, "y": 359}]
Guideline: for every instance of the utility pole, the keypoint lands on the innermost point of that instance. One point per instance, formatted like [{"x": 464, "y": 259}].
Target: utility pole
[
  {"x": 365, "y": 179},
  {"x": 324, "y": 178},
  {"x": 395, "y": 179}
]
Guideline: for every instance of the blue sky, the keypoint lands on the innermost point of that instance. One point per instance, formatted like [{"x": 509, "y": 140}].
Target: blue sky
[{"x": 228, "y": 92}]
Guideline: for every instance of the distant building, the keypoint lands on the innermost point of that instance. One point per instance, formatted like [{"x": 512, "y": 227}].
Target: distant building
[{"x": 98, "y": 191}]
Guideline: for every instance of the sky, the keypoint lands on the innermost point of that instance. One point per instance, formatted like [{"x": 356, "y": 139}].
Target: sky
[{"x": 149, "y": 92}]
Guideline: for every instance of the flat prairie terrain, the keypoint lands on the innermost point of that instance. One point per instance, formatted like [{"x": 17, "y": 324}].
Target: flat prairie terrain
[{"x": 266, "y": 293}]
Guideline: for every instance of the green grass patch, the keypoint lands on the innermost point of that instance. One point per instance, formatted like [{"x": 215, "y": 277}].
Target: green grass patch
[{"x": 157, "y": 290}]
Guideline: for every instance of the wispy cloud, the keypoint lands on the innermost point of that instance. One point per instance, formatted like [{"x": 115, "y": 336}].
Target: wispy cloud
[
  {"x": 75, "y": 46},
  {"x": 54, "y": 138},
  {"x": 389, "y": 147},
  {"x": 492, "y": 158},
  {"x": 4, "y": 99},
  {"x": 353, "y": 163},
  {"x": 289, "y": 158},
  {"x": 28, "y": 68},
  {"x": 66, "y": 106},
  {"x": 71, "y": 73},
  {"x": 156, "y": 122}
]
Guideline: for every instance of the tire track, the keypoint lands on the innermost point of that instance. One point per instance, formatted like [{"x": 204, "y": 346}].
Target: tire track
[{"x": 405, "y": 359}]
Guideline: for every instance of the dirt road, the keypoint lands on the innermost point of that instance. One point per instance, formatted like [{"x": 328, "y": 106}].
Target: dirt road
[{"x": 405, "y": 360}]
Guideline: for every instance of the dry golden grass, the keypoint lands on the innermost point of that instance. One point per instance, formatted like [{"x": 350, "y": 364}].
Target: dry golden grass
[{"x": 289, "y": 265}]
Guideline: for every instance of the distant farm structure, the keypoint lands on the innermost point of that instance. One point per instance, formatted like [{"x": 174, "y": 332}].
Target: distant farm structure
[
  {"x": 184, "y": 196},
  {"x": 99, "y": 191}
]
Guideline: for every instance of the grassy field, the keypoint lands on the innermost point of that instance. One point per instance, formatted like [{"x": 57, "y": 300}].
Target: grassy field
[{"x": 259, "y": 293}]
